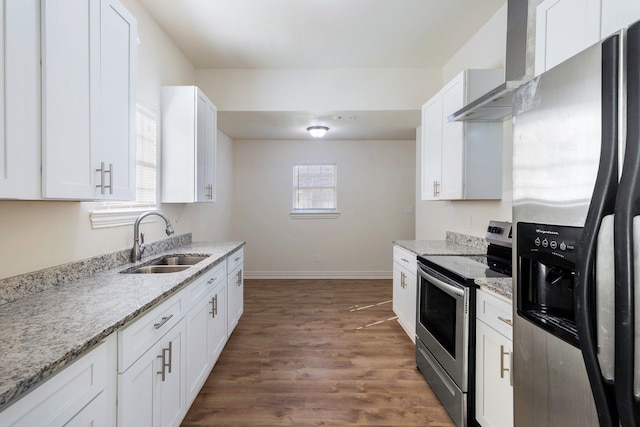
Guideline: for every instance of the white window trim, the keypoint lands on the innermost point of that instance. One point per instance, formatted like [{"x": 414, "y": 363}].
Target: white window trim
[
  {"x": 106, "y": 218},
  {"x": 311, "y": 214},
  {"x": 315, "y": 213}
]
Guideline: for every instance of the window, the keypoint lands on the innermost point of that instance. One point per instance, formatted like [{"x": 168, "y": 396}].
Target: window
[
  {"x": 111, "y": 214},
  {"x": 145, "y": 156},
  {"x": 315, "y": 188}
]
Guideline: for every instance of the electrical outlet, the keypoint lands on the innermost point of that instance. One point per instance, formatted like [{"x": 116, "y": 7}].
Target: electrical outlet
[
  {"x": 468, "y": 221},
  {"x": 408, "y": 209},
  {"x": 316, "y": 257}
]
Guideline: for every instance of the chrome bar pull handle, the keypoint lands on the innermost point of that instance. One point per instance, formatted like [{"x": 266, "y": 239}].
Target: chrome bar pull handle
[
  {"x": 164, "y": 363},
  {"x": 110, "y": 172},
  {"x": 239, "y": 282},
  {"x": 101, "y": 185},
  {"x": 162, "y": 321},
  {"x": 215, "y": 306},
  {"x": 502, "y": 368},
  {"x": 507, "y": 321},
  {"x": 210, "y": 281},
  {"x": 170, "y": 349}
]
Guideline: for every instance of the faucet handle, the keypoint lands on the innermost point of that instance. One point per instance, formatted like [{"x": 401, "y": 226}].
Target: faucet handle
[
  {"x": 141, "y": 238},
  {"x": 142, "y": 246}
]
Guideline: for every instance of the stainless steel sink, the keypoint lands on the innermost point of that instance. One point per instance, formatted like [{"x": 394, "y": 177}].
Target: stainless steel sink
[
  {"x": 167, "y": 264},
  {"x": 180, "y": 260},
  {"x": 155, "y": 269}
]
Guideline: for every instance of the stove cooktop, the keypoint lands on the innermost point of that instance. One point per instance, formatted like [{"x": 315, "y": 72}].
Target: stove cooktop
[{"x": 465, "y": 268}]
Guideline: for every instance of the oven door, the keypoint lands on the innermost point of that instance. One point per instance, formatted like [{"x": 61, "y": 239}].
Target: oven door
[{"x": 443, "y": 322}]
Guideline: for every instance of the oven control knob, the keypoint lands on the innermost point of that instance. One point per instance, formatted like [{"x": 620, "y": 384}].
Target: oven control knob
[
  {"x": 545, "y": 243},
  {"x": 537, "y": 241},
  {"x": 563, "y": 246},
  {"x": 554, "y": 244}
]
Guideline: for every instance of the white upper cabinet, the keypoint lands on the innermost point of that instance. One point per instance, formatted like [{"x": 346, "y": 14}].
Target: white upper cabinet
[
  {"x": 431, "y": 148},
  {"x": 618, "y": 14},
  {"x": 88, "y": 100},
  {"x": 189, "y": 135},
  {"x": 461, "y": 160},
  {"x": 564, "y": 28},
  {"x": 20, "y": 99}
]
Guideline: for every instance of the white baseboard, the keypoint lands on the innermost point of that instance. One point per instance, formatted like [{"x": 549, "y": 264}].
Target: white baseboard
[{"x": 318, "y": 274}]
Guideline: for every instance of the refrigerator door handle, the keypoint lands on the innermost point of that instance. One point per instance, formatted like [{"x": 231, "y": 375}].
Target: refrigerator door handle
[
  {"x": 626, "y": 235},
  {"x": 602, "y": 205}
]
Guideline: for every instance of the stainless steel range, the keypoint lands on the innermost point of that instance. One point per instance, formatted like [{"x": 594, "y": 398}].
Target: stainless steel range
[{"x": 445, "y": 324}]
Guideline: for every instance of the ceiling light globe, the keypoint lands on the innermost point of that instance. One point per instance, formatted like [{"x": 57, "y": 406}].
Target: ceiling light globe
[{"x": 317, "y": 131}]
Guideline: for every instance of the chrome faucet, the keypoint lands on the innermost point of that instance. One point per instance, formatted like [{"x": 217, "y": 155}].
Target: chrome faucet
[{"x": 138, "y": 238}]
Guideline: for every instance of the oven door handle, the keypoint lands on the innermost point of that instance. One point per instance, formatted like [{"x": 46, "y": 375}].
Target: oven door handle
[{"x": 444, "y": 286}]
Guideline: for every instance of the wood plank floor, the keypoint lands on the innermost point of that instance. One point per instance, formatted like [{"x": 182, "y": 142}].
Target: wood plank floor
[{"x": 309, "y": 352}]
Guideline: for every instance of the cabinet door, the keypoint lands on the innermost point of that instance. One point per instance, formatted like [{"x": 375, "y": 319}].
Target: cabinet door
[
  {"x": 201, "y": 147},
  {"x": 398, "y": 290},
  {"x": 145, "y": 398},
  {"x": 217, "y": 327},
  {"x": 431, "y": 148},
  {"x": 20, "y": 99},
  {"x": 70, "y": 64},
  {"x": 564, "y": 28},
  {"x": 206, "y": 130},
  {"x": 116, "y": 146},
  {"x": 235, "y": 302},
  {"x": 411, "y": 300},
  {"x": 211, "y": 131},
  {"x": 136, "y": 390},
  {"x": 452, "y": 140},
  {"x": 618, "y": 14},
  {"x": 494, "y": 393},
  {"x": 88, "y": 95},
  {"x": 171, "y": 391},
  {"x": 197, "y": 361}
]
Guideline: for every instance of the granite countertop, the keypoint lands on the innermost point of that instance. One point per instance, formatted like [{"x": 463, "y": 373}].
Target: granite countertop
[
  {"x": 42, "y": 333},
  {"x": 460, "y": 244},
  {"x": 500, "y": 286},
  {"x": 455, "y": 244}
]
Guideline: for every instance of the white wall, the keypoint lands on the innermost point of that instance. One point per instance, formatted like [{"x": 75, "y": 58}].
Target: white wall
[
  {"x": 375, "y": 182},
  {"x": 40, "y": 234},
  {"x": 433, "y": 218},
  {"x": 319, "y": 89}
]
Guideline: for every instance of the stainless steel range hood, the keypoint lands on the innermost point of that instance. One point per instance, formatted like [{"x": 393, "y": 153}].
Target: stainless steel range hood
[{"x": 496, "y": 105}]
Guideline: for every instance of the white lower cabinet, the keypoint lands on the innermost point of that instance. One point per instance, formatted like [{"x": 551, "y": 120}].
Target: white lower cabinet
[
  {"x": 206, "y": 327},
  {"x": 151, "y": 370},
  {"x": 81, "y": 394},
  {"x": 151, "y": 391},
  {"x": 494, "y": 386},
  {"x": 405, "y": 289},
  {"x": 235, "y": 287}
]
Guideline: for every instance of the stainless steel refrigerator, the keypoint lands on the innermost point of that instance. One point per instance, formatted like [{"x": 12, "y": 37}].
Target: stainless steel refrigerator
[{"x": 576, "y": 201}]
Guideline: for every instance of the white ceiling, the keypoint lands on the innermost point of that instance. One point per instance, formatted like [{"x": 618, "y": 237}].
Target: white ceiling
[{"x": 281, "y": 34}]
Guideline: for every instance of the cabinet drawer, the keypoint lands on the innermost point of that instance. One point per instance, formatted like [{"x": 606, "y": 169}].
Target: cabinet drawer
[
  {"x": 140, "y": 335},
  {"x": 496, "y": 311},
  {"x": 201, "y": 287},
  {"x": 234, "y": 260},
  {"x": 60, "y": 398},
  {"x": 405, "y": 258}
]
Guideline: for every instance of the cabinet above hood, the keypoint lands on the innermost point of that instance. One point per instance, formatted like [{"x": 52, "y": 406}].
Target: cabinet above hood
[{"x": 496, "y": 105}]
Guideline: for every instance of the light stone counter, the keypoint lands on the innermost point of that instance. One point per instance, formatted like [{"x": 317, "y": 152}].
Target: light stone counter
[
  {"x": 500, "y": 286},
  {"x": 455, "y": 244},
  {"x": 42, "y": 332}
]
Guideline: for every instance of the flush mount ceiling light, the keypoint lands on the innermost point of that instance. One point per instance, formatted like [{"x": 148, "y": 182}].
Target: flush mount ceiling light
[{"x": 317, "y": 131}]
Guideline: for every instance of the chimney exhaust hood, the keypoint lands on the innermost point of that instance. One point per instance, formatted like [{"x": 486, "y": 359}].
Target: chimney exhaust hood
[{"x": 496, "y": 105}]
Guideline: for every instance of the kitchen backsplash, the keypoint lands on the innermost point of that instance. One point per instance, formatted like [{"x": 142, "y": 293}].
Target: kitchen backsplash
[{"x": 22, "y": 285}]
